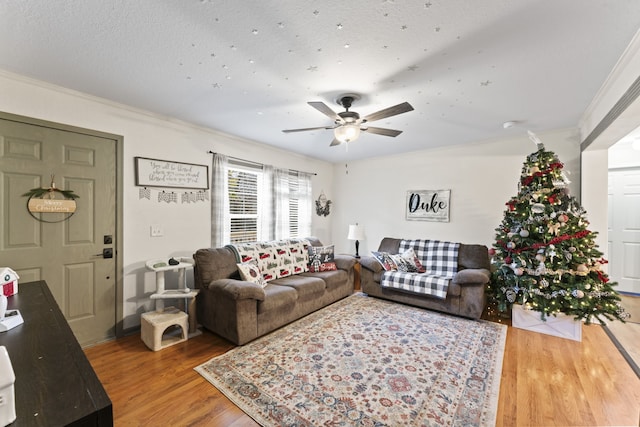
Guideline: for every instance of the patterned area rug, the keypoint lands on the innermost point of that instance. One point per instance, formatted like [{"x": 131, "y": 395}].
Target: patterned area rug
[{"x": 367, "y": 362}]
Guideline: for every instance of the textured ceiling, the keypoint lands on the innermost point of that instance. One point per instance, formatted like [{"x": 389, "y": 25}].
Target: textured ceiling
[{"x": 249, "y": 67}]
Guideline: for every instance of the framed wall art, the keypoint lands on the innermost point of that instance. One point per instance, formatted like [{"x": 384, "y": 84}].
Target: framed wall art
[
  {"x": 165, "y": 173},
  {"x": 428, "y": 205}
]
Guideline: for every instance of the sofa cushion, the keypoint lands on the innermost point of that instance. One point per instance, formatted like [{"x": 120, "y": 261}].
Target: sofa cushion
[
  {"x": 412, "y": 257},
  {"x": 473, "y": 256},
  {"x": 440, "y": 258},
  {"x": 306, "y": 286},
  {"x": 321, "y": 258},
  {"x": 278, "y": 298},
  {"x": 250, "y": 272},
  {"x": 275, "y": 259},
  {"x": 408, "y": 262},
  {"x": 212, "y": 264},
  {"x": 386, "y": 261},
  {"x": 332, "y": 279},
  {"x": 237, "y": 289},
  {"x": 472, "y": 277},
  {"x": 390, "y": 245}
]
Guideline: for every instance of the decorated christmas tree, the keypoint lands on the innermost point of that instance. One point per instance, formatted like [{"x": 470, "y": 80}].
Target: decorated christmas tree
[{"x": 545, "y": 257}]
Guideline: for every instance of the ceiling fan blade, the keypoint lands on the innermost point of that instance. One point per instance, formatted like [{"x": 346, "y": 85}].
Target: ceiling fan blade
[
  {"x": 307, "y": 129},
  {"x": 324, "y": 109},
  {"x": 388, "y": 112},
  {"x": 382, "y": 131},
  {"x": 334, "y": 143}
]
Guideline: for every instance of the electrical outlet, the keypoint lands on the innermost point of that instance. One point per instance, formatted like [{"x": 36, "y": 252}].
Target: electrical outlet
[{"x": 156, "y": 231}]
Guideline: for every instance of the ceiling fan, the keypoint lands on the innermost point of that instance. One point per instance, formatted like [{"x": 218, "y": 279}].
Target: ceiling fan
[{"x": 348, "y": 124}]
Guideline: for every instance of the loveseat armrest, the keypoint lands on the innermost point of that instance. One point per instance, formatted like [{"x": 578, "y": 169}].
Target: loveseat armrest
[
  {"x": 370, "y": 263},
  {"x": 344, "y": 262},
  {"x": 237, "y": 289},
  {"x": 472, "y": 276}
]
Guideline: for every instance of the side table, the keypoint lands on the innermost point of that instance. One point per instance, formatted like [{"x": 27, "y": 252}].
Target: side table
[{"x": 356, "y": 275}]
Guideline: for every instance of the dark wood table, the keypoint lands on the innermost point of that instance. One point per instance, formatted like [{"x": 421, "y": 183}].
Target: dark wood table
[{"x": 55, "y": 383}]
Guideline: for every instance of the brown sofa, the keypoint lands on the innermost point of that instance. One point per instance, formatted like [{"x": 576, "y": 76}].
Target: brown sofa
[
  {"x": 465, "y": 294},
  {"x": 242, "y": 311}
]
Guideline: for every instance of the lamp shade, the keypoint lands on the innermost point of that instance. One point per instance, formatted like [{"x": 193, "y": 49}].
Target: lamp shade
[
  {"x": 347, "y": 132},
  {"x": 356, "y": 232}
]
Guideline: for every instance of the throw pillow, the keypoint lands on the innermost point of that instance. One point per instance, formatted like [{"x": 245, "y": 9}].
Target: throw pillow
[
  {"x": 411, "y": 256},
  {"x": 250, "y": 272},
  {"x": 404, "y": 264},
  {"x": 385, "y": 260},
  {"x": 321, "y": 258}
]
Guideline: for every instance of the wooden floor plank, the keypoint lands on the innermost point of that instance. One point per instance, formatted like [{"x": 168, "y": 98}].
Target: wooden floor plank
[{"x": 545, "y": 381}]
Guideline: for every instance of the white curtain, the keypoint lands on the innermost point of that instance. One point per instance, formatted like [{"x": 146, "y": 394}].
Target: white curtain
[
  {"x": 219, "y": 201},
  {"x": 281, "y": 203},
  {"x": 305, "y": 207},
  {"x": 266, "y": 213}
]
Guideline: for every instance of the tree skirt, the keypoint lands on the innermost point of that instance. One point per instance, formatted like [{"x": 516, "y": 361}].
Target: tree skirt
[{"x": 367, "y": 362}]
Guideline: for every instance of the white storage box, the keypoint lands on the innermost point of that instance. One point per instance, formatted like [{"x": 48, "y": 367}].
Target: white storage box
[
  {"x": 562, "y": 326},
  {"x": 7, "y": 393}
]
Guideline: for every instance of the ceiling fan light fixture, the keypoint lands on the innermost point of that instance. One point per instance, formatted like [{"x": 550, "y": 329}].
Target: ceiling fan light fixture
[{"x": 347, "y": 133}]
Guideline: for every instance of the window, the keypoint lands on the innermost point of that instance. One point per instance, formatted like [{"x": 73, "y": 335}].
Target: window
[
  {"x": 244, "y": 188},
  {"x": 294, "y": 203},
  {"x": 254, "y": 203}
]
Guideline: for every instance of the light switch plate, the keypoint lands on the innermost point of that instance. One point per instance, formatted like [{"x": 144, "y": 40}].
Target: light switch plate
[{"x": 156, "y": 231}]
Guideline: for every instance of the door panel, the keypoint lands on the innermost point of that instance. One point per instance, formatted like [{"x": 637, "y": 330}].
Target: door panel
[
  {"x": 624, "y": 228},
  {"x": 58, "y": 247},
  {"x": 19, "y": 234}
]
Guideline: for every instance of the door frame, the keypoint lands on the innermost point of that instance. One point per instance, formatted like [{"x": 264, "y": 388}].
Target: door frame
[{"x": 119, "y": 308}]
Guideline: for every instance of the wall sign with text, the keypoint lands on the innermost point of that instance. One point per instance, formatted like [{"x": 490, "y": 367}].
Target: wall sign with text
[
  {"x": 428, "y": 205},
  {"x": 163, "y": 173}
]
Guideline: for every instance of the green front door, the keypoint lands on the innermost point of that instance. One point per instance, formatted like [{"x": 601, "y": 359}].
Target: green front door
[{"x": 64, "y": 250}]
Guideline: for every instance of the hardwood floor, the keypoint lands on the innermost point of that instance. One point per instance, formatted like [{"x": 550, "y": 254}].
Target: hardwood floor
[{"x": 546, "y": 381}]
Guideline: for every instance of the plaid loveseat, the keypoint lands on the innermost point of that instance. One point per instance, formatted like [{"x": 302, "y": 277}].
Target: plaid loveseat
[{"x": 464, "y": 293}]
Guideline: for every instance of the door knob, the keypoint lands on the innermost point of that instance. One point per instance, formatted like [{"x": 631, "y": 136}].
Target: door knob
[{"x": 106, "y": 253}]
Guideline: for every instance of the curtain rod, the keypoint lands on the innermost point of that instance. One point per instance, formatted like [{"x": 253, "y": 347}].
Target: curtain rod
[{"x": 256, "y": 163}]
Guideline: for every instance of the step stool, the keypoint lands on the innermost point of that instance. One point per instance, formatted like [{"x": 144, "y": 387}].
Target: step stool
[{"x": 155, "y": 323}]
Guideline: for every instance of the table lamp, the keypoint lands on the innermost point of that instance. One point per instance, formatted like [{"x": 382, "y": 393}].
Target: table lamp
[{"x": 356, "y": 232}]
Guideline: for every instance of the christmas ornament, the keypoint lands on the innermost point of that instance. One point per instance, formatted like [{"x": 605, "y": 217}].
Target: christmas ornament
[
  {"x": 554, "y": 228},
  {"x": 524, "y": 233},
  {"x": 537, "y": 208},
  {"x": 582, "y": 270}
]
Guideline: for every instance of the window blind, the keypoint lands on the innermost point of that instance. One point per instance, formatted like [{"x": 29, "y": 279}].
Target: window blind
[{"x": 243, "y": 205}]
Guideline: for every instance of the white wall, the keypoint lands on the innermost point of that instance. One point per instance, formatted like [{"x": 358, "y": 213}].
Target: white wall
[
  {"x": 186, "y": 226},
  {"x": 482, "y": 177},
  {"x": 622, "y": 155},
  {"x": 595, "y": 195}
]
